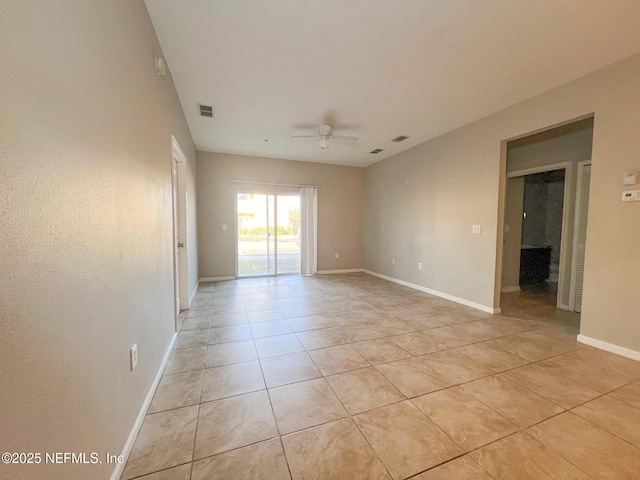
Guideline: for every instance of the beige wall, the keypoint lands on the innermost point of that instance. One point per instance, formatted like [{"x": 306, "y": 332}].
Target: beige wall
[
  {"x": 512, "y": 238},
  {"x": 339, "y": 207},
  {"x": 85, "y": 214},
  {"x": 456, "y": 181}
]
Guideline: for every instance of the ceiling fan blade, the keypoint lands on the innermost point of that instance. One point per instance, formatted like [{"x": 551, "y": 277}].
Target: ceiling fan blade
[
  {"x": 305, "y": 136},
  {"x": 345, "y": 138}
]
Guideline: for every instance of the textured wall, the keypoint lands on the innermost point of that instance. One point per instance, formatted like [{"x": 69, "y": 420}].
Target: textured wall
[
  {"x": 339, "y": 207},
  {"x": 455, "y": 181},
  {"x": 85, "y": 226}
]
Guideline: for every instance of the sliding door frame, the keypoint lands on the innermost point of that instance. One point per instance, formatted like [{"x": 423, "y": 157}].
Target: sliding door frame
[{"x": 275, "y": 195}]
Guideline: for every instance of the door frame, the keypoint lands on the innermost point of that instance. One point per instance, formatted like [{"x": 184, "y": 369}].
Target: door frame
[
  {"x": 179, "y": 216},
  {"x": 576, "y": 236},
  {"x": 564, "y": 269}
]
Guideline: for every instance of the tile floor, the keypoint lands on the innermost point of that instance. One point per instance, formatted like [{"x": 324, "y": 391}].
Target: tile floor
[{"x": 350, "y": 376}]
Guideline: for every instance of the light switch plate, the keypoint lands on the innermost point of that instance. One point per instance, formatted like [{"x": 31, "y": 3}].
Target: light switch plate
[{"x": 630, "y": 178}]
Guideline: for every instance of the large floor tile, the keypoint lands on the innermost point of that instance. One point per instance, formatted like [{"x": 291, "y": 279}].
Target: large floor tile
[
  {"x": 491, "y": 357},
  {"x": 417, "y": 343},
  {"x": 523, "y": 458},
  {"x": 536, "y": 345},
  {"x": 453, "y": 366},
  {"x": 230, "y": 380},
  {"x": 195, "y": 323},
  {"x": 512, "y": 401},
  {"x": 224, "y": 319},
  {"x": 462, "y": 468},
  {"x": 177, "y": 390},
  {"x": 340, "y": 358},
  {"x": 305, "y": 404},
  {"x": 165, "y": 440},
  {"x": 450, "y": 336},
  {"x": 183, "y": 472},
  {"x": 588, "y": 371},
  {"x": 321, "y": 338},
  {"x": 406, "y": 441},
  {"x": 261, "y": 461},
  {"x": 469, "y": 422},
  {"x": 552, "y": 385},
  {"x": 364, "y": 389},
  {"x": 230, "y": 352},
  {"x": 412, "y": 377},
  {"x": 191, "y": 338},
  {"x": 629, "y": 394},
  {"x": 274, "y": 327},
  {"x": 234, "y": 422},
  {"x": 382, "y": 350},
  {"x": 290, "y": 368},
  {"x": 186, "y": 359},
  {"x": 264, "y": 315},
  {"x": 614, "y": 416},
  {"x": 334, "y": 450},
  {"x": 278, "y": 345},
  {"x": 589, "y": 447},
  {"x": 230, "y": 333}
]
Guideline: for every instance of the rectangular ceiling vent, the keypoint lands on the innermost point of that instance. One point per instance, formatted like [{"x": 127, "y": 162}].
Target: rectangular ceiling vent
[
  {"x": 377, "y": 150},
  {"x": 401, "y": 138},
  {"x": 205, "y": 110}
]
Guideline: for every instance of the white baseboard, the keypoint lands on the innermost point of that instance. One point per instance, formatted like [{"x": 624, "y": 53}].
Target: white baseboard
[
  {"x": 332, "y": 272},
  {"x": 126, "y": 450},
  {"x": 193, "y": 294},
  {"x": 215, "y": 279},
  {"x": 430, "y": 291},
  {"x": 609, "y": 347},
  {"x": 515, "y": 288}
]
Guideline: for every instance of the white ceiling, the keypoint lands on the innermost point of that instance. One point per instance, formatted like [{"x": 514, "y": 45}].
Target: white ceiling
[{"x": 381, "y": 68}]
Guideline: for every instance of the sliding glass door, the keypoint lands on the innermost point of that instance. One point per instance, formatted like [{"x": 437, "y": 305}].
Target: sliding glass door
[{"x": 268, "y": 230}]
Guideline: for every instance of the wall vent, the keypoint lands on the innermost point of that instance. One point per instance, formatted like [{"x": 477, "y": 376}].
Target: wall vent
[
  {"x": 205, "y": 110},
  {"x": 377, "y": 150},
  {"x": 401, "y": 138}
]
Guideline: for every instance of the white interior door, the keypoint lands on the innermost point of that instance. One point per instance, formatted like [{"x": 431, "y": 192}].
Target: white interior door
[{"x": 582, "y": 211}]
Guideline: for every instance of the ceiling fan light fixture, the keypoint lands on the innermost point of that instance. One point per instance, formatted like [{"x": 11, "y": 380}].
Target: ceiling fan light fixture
[{"x": 324, "y": 141}]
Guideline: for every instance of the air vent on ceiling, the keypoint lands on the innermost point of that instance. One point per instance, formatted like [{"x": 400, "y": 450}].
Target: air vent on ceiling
[
  {"x": 377, "y": 150},
  {"x": 401, "y": 138},
  {"x": 205, "y": 110}
]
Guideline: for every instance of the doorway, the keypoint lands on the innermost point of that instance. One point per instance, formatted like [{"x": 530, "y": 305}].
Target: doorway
[
  {"x": 268, "y": 234},
  {"x": 545, "y": 214}
]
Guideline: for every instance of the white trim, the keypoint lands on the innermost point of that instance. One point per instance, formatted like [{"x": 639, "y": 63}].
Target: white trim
[
  {"x": 609, "y": 347},
  {"x": 176, "y": 151},
  {"x": 515, "y": 288},
  {"x": 331, "y": 272},
  {"x": 135, "y": 429},
  {"x": 565, "y": 263},
  {"x": 273, "y": 184},
  {"x": 215, "y": 279},
  {"x": 446, "y": 296},
  {"x": 193, "y": 294},
  {"x": 540, "y": 169},
  {"x": 576, "y": 234}
]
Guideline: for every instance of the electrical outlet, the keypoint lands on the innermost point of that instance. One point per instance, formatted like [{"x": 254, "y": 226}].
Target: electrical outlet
[
  {"x": 419, "y": 266},
  {"x": 224, "y": 228},
  {"x": 133, "y": 356},
  {"x": 476, "y": 229},
  {"x": 337, "y": 255},
  {"x": 393, "y": 261}
]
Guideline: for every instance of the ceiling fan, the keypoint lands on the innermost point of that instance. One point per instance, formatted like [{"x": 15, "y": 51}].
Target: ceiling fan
[{"x": 325, "y": 133}]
